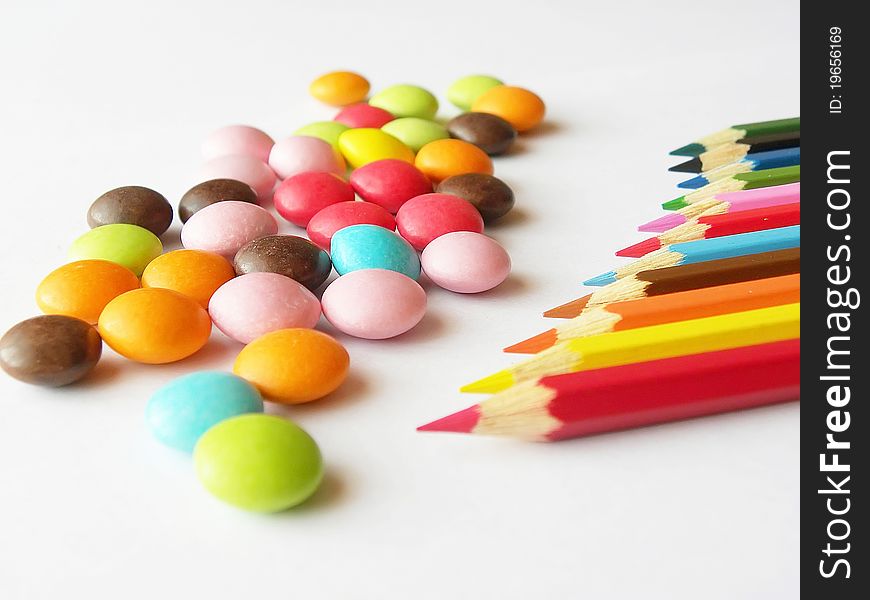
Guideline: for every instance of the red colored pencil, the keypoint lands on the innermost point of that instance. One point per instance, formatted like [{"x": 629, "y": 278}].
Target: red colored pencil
[
  {"x": 634, "y": 395},
  {"x": 712, "y": 226}
]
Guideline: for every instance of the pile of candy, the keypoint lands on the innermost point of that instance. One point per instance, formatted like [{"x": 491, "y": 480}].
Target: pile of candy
[{"x": 424, "y": 187}]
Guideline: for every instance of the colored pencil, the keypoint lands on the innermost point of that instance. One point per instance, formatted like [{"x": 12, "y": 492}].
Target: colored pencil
[
  {"x": 658, "y": 282},
  {"x": 727, "y": 203},
  {"x": 713, "y": 226},
  {"x": 734, "y": 151},
  {"x": 737, "y": 132},
  {"x": 694, "y": 336},
  {"x": 634, "y": 395},
  {"x": 655, "y": 310},
  {"x": 742, "y": 181},
  {"x": 772, "y": 159},
  {"x": 686, "y": 253}
]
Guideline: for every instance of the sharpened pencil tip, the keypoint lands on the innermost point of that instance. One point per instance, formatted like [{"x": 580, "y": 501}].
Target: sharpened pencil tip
[
  {"x": 463, "y": 421},
  {"x": 692, "y": 149},
  {"x": 640, "y": 249},
  {"x": 675, "y": 204},
  {"x": 534, "y": 344},
  {"x": 693, "y": 165},
  {"x": 602, "y": 279},
  {"x": 694, "y": 183},
  {"x": 490, "y": 384},
  {"x": 662, "y": 223},
  {"x": 569, "y": 310}
]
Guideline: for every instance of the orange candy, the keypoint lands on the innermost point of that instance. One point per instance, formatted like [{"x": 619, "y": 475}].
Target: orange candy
[
  {"x": 339, "y": 88},
  {"x": 293, "y": 366},
  {"x": 194, "y": 273},
  {"x": 154, "y": 325},
  {"x": 82, "y": 288},
  {"x": 444, "y": 158},
  {"x": 518, "y": 106}
]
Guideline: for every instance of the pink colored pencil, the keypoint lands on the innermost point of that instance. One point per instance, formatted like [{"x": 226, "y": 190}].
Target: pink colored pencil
[{"x": 727, "y": 202}]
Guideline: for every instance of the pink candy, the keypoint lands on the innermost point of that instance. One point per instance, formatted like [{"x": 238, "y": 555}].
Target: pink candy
[
  {"x": 300, "y": 197},
  {"x": 224, "y": 227},
  {"x": 389, "y": 183},
  {"x": 363, "y": 115},
  {"x": 374, "y": 304},
  {"x": 325, "y": 223},
  {"x": 301, "y": 153},
  {"x": 240, "y": 167},
  {"x": 237, "y": 139},
  {"x": 466, "y": 262},
  {"x": 426, "y": 217},
  {"x": 254, "y": 304}
]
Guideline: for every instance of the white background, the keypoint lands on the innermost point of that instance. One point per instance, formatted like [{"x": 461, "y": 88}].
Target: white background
[{"x": 98, "y": 95}]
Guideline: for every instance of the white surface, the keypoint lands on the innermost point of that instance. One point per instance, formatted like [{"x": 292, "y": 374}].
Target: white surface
[{"x": 101, "y": 95}]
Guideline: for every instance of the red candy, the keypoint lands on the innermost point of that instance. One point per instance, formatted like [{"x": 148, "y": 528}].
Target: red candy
[
  {"x": 389, "y": 183},
  {"x": 324, "y": 224},
  {"x": 363, "y": 115},
  {"x": 426, "y": 217},
  {"x": 302, "y": 196}
]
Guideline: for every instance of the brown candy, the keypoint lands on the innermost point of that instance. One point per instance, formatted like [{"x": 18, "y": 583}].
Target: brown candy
[
  {"x": 490, "y": 195},
  {"x": 289, "y": 255},
  {"x": 490, "y": 133},
  {"x": 132, "y": 204},
  {"x": 50, "y": 350},
  {"x": 212, "y": 191}
]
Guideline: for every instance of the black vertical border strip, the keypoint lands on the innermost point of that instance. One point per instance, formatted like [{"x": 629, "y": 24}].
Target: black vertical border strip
[{"x": 823, "y": 132}]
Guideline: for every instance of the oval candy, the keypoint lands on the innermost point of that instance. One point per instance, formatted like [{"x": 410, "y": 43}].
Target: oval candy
[
  {"x": 81, "y": 289},
  {"x": 324, "y": 224},
  {"x": 415, "y": 132},
  {"x": 518, "y": 106},
  {"x": 466, "y": 262},
  {"x": 426, "y": 217},
  {"x": 225, "y": 227},
  {"x": 389, "y": 183},
  {"x": 405, "y": 100},
  {"x": 363, "y": 146},
  {"x": 213, "y": 191},
  {"x": 237, "y": 139},
  {"x": 288, "y": 255},
  {"x": 464, "y": 91},
  {"x": 372, "y": 247},
  {"x": 489, "y": 195},
  {"x": 301, "y": 153},
  {"x": 130, "y": 246},
  {"x": 361, "y": 115},
  {"x": 247, "y": 169},
  {"x": 441, "y": 159},
  {"x": 303, "y": 195},
  {"x": 488, "y": 132},
  {"x": 194, "y": 273},
  {"x": 132, "y": 204},
  {"x": 339, "y": 88}
]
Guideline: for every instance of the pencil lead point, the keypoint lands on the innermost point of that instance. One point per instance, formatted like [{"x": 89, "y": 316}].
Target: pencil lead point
[
  {"x": 693, "y": 165},
  {"x": 534, "y": 344},
  {"x": 463, "y": 421},
  {"x": 602, "y": 279},
  {"x": 662, "y": 223},
  {"x": 694, "y": 183},
  {"x": 692, "y": 149},
  {"x": 675, "y": 204},
  {"x": 569, "y": 310},
  {"x": 641, "y": 248},
  {"x": 490, "y": 384}
]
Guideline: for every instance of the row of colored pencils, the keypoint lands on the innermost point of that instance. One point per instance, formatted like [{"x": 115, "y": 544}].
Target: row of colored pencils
[{"x": 705, "y": 320}]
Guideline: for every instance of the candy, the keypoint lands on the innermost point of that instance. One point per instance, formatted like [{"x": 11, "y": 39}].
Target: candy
[
  {"x": 406, "y": 101},
  {"x": 155, "y": 326},
  {"x": 288, "y": 255},
  {"x": 415, "y": 132},
  {"x": 301, "y": 153},
  {"x": 328, "y": 131},
  {"x": 237, "y": 139},
  {"x": 51, "y": 350},
  {"x": 443, "y": 158},
  {"x": 489, "y": 195},
  {"x": 464, "y": 91},
  {"x": 362, "y": 146},
  {"x": 212, "y": 191},
  {"x": 426, "y": 217},
  {"x": 82, "y": 289},
  {"x": 188, "y": 406},
  {"x": 300, "y": 197},
  {"x": 372, "y": 247},
  {"x": 363, "y": 115},
  {"x": 256, "y": 303},
  {"x": 374, "y": 304},
  {"x": 132, "y": 204},
  {"x": 194, "y": 273},
  {"x": 247, "y": 169},
  {"x": 225, "y": 227},
  {"x": 518, "y": 106},
  {"x": 339, "y": 88},
  {"x": 324, "y": 224},
  {"x": 466, "y": 262},
  {"x": 389, "y": 183},
  {"x": 130, "y": 246},
  {"x": 260, "y": 463},
  {"x": 488, "y": 132},
  {"x": 293, "y": 366}
]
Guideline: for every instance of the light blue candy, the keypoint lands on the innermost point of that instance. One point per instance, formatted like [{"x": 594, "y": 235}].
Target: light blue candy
[
  {"x": 371, "y": 247},
  {"x": 186, "y": 407}
]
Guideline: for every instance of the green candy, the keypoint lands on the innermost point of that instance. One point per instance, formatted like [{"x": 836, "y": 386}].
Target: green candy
[
  {"x": 130, "y": 246},
  {"x": 328, "y": 131},
  {"x": 406, "y": 101},
  {"x": 415, "y": 132},
  {"x": 465, "y": 90},
  {"x": 258, "y": 462}
]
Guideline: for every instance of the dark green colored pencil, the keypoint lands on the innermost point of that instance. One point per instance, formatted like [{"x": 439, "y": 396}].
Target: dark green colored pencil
[{"x": 744, "y": 132}]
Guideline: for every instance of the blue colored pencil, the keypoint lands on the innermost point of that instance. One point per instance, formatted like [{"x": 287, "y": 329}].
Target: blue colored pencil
[{"x": 772, "y": 159}]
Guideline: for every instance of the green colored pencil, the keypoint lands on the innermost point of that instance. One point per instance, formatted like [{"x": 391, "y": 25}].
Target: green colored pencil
[
  {"x": 745, "y": 131},
  {"x": 741, "y": 181}
]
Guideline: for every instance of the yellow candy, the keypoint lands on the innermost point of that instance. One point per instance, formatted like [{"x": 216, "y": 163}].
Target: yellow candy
[
  {"x": 365, "y": 145},
  {"x": 339, "y": 88}
]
